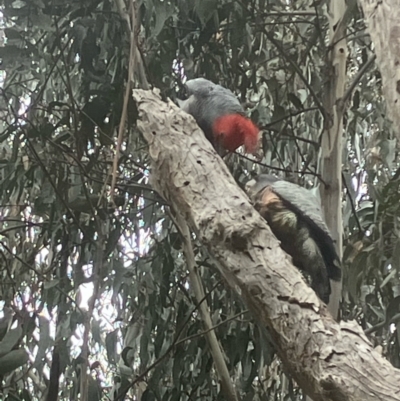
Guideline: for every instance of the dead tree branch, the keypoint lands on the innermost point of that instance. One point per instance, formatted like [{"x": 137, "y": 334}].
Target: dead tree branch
[{"x": 330, "y": 361}]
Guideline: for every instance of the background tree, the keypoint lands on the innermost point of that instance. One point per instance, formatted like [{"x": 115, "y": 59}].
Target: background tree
[
  {"x": 383, "y": 26},
  {"x": 98, "y": 283}
]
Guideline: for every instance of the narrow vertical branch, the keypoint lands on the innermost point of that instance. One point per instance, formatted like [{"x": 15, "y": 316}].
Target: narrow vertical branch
[
  {"x": 197, "y": 287},
  {"x": 331, "y": 149},
  {"x": 124, "y": 113},
  {"x": 135, "y": 64},
  {"x": 97, "y": 267}
]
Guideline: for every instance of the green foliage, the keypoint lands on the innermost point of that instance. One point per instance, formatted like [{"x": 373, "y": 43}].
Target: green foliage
[{"x": 74, "y": 261}]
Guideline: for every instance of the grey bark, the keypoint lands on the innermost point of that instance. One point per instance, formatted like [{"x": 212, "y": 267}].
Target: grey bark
[{"x": 383, "y": 23}]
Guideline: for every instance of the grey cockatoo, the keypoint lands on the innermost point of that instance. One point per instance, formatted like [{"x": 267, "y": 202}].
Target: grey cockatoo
[
  {"x": 219, "y": 114},
  {"x": 295, "y": 217}
]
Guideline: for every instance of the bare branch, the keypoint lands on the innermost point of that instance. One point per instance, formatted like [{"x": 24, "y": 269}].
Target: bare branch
[
  {"x": 197, "y": 287},
  {"x": 330, "y": 361}
]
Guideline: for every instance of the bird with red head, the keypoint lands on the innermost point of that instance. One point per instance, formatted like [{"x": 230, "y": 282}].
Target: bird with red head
[{"x": 220, "y": 115}]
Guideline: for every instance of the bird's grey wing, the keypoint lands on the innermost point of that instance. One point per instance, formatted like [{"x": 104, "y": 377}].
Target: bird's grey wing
[
  {"x": 306, "y": 203},
  {"x": 214, "y": 98}
]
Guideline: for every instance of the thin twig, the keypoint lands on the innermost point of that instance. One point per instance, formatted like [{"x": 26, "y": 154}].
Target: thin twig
[
  {"x": 97, "y": 268},
  {"x": 287, "y": 116},
  {"x": 163, "y": 356},
  {"x": 286, "y": 56},
  {"x": 195, "y": 281},
  {"x": 40, "y": 275},
  {"x": 357, "y": 79},
  {"x": 124, "y": 113},
  {"x": 282, "y": 169},
  {"x": 201, "y": 334},
  {"x": 353, "y": 207}
]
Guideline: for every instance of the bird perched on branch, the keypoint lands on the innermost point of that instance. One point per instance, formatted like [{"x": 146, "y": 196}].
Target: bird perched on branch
[
  {"x": 295, "y": 217},
  {"x": 219, "y": 114}
]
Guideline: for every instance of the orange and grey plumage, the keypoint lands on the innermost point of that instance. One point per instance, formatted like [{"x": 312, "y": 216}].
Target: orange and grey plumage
[{"x": 295, "y": 217}]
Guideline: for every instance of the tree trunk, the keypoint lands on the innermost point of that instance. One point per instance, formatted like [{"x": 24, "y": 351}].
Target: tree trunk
[
  {"x": 383, "y": 22},
  {"x": 331, "y": 149},
  {"x": 330, "y": 361}
]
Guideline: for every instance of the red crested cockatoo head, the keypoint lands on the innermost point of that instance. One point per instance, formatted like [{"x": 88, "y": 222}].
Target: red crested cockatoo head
[{"x": 219, "y": 114}]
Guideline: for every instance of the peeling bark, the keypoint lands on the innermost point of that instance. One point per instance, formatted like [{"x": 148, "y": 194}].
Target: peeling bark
[
  {"x": 330, "y": 361},
  {"x": 383, "y": 22},
  {"x": 332, "y": 144}
]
